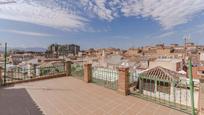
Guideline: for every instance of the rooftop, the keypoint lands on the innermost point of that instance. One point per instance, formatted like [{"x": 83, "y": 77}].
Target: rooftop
[{"x": 70, "y": 96}]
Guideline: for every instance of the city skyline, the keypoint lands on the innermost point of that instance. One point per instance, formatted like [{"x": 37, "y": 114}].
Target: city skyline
[{"x": 120, "y": 24}]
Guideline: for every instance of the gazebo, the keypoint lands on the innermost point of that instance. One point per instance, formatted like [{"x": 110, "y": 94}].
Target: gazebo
[{"x": 158, "y": 79}]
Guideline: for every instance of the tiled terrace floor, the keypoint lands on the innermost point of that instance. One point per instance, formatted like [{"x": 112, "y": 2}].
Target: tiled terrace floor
[{"x": 70, "y": 96}]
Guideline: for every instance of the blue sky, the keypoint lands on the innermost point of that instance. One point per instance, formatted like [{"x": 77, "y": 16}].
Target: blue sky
[{"x": 100, "y": 23}]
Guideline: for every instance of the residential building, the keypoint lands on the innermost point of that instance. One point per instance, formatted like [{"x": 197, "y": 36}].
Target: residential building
[
  {"x": 171, "y": 64},
  {"x": 15, "y": 59},
  {"x": 198, "y": 72},
  {"x": 56, "y": 50}
]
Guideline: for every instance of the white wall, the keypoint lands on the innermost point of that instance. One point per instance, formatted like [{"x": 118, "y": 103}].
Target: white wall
[{"x": 201, "y": 56}]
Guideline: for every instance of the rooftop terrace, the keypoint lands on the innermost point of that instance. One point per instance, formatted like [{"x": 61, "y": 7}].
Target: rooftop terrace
[{"x": 70, "y": 96}]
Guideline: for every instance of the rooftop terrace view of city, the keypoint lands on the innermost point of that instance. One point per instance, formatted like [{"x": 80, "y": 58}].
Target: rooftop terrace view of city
[{"x": 101, "y": 57}]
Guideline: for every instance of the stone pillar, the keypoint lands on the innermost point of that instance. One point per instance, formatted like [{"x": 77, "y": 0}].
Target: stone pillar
[
  {"x": 201, "y": 97},
  {"x": 1, "y": 77},
  {"x": 87, "y": 73},
  {"x": 123, "y": 81},
  {"x": 67, "y": 68}
]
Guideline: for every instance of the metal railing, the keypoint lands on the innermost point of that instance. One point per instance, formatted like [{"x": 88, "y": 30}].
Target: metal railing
[
  {"x": 77, "y": 71},
  {"x": 22, "y": 74},
  {"x": 133, "y": 77},
  {"x": 174, "y": 94},
  {"x": 105, "y": 77}
]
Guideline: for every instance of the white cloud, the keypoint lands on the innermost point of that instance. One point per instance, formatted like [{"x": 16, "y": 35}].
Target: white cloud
[
  {"x": 46, "y": 13},
  {"x": 165, "y": 35},
  {"x": 6, "y": 2},
  {"x": 104, "y": 9},
  {"x": 70, "y": 14},
  {"x": 36, "y": 34},
  {"x": 169, "y": 13},
  {"x": 195, "y": 30}
]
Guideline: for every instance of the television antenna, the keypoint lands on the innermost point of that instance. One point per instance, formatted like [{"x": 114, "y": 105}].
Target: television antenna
[{"x": 187, "y": 39}]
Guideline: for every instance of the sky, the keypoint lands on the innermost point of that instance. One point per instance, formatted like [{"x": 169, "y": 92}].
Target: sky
[{"x": 100, "y": 23}]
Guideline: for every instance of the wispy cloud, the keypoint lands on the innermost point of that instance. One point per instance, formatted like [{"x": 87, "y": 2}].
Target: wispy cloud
[
  {"x": 47, "y": 13},
  {"x": 7, "y": 2},
  {"x": 27, "y": 33},
  {"x": 98, "y": 8},
  {"x": 168, "y": 13},
  {"x": 165, "y": 34},
  {"x": 198, "y": 29},
  {"x": 75, "y": 14}
]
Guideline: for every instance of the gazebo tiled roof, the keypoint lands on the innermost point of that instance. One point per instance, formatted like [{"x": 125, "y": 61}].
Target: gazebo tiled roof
[{"x": 161, "y": 74}]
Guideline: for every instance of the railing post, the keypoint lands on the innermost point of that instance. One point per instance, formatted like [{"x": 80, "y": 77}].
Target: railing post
[
  {"x": 87, "y": 73},
  {"x": 1, "y": 80},
  {"x": 201, "y": 97},
  {"x": 123, "y": 81},
  {"x": 5, "y": 62},
  {"x": 191, "y": 86},
  {"x": 29, "y": 70},
  {"x": 68, "y": 68},
  {"x": 141, "y": 85}
]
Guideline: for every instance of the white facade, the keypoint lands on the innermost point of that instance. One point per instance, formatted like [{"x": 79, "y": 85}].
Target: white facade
[{"x": 202, "y": 56}]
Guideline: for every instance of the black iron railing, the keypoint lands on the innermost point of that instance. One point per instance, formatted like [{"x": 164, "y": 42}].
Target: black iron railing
[
  {"x": 105, "y": 77},
  {"x": 22, "y": 74}
]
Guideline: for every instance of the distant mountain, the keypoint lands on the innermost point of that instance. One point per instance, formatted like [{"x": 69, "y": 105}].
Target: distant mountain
[{"x": 34, "y": 49}]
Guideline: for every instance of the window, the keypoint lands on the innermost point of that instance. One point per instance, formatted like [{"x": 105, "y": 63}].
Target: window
[
  {"x": 163, "y": 87},
  {"x": 148, "y": 85}
]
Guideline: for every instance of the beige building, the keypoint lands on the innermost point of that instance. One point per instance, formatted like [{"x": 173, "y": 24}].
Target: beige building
[
  {"x": 171, "y": 64},
  {"x": 132, "y": 52},
  {"x": 162, "y": 51},
  {"x": 18, "y": 58}
]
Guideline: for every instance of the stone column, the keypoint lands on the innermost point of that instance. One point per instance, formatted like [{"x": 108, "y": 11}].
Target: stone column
[
  {"x": 201, "y": 97},
  {"x": 87, "y": 73},
  {"x": 123, "y": 81},
  {"x": 67, "y": 68}
]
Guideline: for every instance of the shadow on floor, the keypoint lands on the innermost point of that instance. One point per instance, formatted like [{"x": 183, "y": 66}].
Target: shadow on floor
[{"x": 17, "y": 102}]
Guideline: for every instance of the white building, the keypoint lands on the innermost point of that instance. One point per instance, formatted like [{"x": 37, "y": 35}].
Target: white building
[
  {"x": 202, "y": 56},
  {"x": 171, "y": 64}
]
